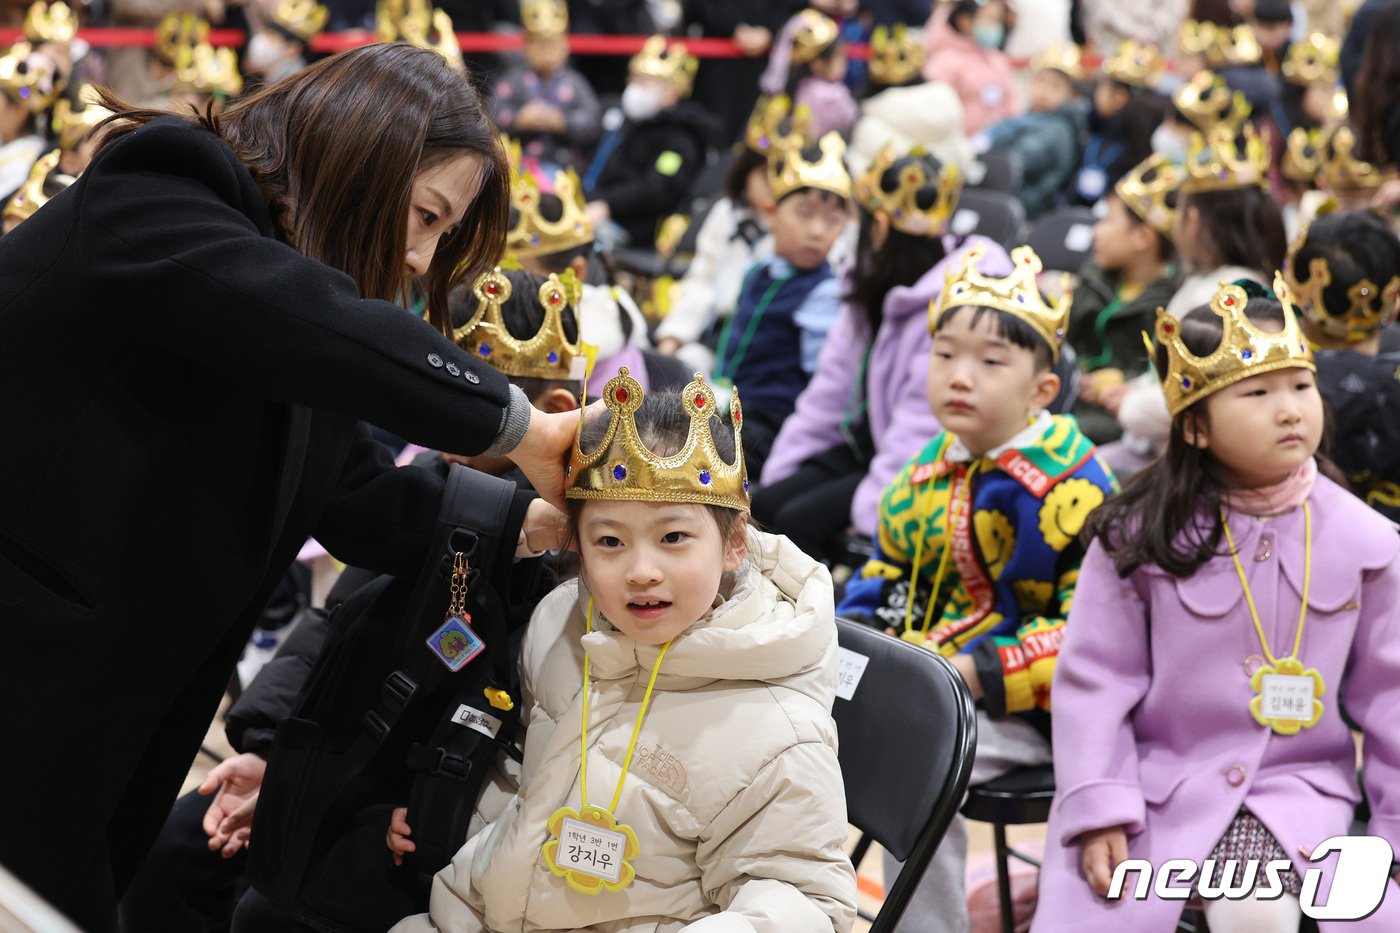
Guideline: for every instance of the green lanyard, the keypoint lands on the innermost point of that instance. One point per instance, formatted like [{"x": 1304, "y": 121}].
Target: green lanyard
[
  {"x": 1105, "y": 354},
  {"x": 857, "y": 404},
  {"x": 727, "y": 366}
]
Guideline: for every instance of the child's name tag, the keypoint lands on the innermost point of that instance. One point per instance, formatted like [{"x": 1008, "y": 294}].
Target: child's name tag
[
  {"x": 591, "y": 850},
  {"x": 1287, "y": 696},
  {"x": 850, "y": 667}
]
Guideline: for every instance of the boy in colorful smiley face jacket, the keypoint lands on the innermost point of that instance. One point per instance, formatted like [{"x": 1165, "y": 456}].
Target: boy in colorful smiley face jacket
[{"x": 977, "y": 551}]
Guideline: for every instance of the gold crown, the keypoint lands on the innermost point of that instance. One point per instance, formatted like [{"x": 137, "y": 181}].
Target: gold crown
[
  {"x": 416, "y": 22},
  {"x": 765, "y": 129},
  {"x": 29, "y": 78},
  {"x": 622, "y": 467},
  {"x": 1244, "y": 350},
  {"x": 549, "y": 354},
  {"x": 533, "y": 234},
  {"x": 30, "y": 197},
  {"x": 789, "y": 170},
  {"x": 207, "y": 70},
  {"x": 1135, "y": 64},
  {"x": 814, "y": 35},
  {"x": 901, "y": 205},
  {"x": 73, "y": 124},
  {"x": 1068, "y": 59},
  {"x": 302, "y": 18},
  {"x": 50, "y": 22},
  {"x": 1341, "y": 169},
  {"x": 1220, "y": 46},
  {"x": 896, "y": 57},
  {"x": 544, "y": 18},
  {"x": 1018, "y": 295},
  {"x": 1369, "y": 306},
  {"x": 1217, "y": 162},
  {"x": 1302, "y": 155},
  {"x": 1207, "y": 101},
  {"x": 1314, "y": 61},
  {"x": 178, "y": 31},
  {"x": 672, "y": 64},
  {"x": 1146, "y": 189}
]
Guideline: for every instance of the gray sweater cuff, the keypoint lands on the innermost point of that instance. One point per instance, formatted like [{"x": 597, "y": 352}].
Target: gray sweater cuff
[{"x": 514, "y": 423}]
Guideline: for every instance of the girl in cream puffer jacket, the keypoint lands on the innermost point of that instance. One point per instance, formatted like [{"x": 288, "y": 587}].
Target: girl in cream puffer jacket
[{"x": 734, "y": 792}]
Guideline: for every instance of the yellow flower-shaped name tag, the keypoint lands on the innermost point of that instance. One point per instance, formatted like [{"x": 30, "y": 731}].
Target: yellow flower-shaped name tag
[
  {"x": 590, "y": 849},
  {"x": 1286, "y": 696}
]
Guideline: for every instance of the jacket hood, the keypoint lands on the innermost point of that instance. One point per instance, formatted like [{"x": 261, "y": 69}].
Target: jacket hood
[
  {"x": 902, "y": 301},
  {"x": 777, "y": 626},
  {"x": 688, "y": 115}
]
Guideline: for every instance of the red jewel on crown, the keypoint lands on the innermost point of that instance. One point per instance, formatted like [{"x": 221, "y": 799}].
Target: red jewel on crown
[
  {"x": 621, "y": 395},
  {"x": 493, "y": 289},
  {"x": 1168, "y": 329},
  {"x": 555, "y": 298},
  {"x": 1228, "y": 301},
  {"x": 699, "y": 401}
]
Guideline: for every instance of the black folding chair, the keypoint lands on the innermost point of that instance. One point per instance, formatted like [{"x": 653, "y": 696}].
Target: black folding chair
[
  {"x": 995, "y": 215},
  {"x": 1063, "y": 239},
  {"x": 995, "y": 170},
  {"x": 905, "y": 711}
]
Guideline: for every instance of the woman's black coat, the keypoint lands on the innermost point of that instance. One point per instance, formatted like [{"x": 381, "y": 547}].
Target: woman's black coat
[{"x": 181, "y": 397}]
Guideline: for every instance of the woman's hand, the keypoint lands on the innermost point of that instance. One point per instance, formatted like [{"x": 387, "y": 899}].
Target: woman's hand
[
  {"x": 546, "y": 528},
  {"x": 542, "y": 452},
  {"x": 399, "y": 831},
  {"x": 229, "y": 819},
  {"x": 1100, "y": 852}
]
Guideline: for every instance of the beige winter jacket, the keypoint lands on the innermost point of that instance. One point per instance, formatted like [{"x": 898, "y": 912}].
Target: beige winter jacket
[{"x": 734, "y": 792}]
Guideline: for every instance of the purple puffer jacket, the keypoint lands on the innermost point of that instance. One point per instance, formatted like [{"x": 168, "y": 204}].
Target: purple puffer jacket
[{"x": 900, "y": 420}]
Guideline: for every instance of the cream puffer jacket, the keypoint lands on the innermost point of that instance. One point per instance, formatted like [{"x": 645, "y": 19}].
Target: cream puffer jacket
[{"x": 734, "y": 792}]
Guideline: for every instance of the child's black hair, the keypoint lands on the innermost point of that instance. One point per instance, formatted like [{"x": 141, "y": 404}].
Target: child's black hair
[
  {"x": 1357, "y": 245},
  {"x": 1168, "y": 515},
  {"x": 1272, "y": 11},
  {"x": 1008, "y": 327},
  {"x": 736, "y": 180},
  {"x": 523, "y": 316},
  {"x": 904, "y": 258},
  {"x": 551, "y": 209},
  {"x": 799, "y": 73},
  {"x": 663, "y": 425},
  {"x": 960, "y": 9},
  {"x": 1166, "y": 249},
  {"x": 1243, "y": 226}
]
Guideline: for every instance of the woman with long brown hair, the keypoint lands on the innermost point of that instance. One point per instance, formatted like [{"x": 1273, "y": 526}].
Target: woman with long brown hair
[{"x": 192, "y": 337}]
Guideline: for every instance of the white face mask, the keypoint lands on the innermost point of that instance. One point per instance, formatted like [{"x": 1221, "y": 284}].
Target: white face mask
[
  {"x": 640, "y": 103},
  {"x": 264, "y": 51},
  {"x": 1170, "y": 144}
]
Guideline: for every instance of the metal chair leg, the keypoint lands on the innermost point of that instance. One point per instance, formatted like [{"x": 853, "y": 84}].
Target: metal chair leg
[{"x": 1008, "y": 914}]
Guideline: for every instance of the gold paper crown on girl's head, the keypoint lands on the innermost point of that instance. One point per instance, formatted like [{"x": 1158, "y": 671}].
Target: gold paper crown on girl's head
[
  {"x": 670, "y": 63},
  {"x": 178, "y": 31},
  {"x": 765, "y": 130},
  {"x": 1018, "y": 295},
  {"x": 50, "y": 22},
  {"x": 1245, "y": 350},
  {"x": 1146, "y": 190},
  {"x": 789, "y": 170},
  {"x": 896, "y": 56},
  {"x": 1369, "y": 305},
  {"x": 73, "y": 124},
  {"x": 623, "y": 468},
  {"x": 1220, "y": 46},
  {"x": 544, "y": 18},
  {"x": 533, "y": 234},
  {"x": 1302, "y": 155},
  {"x": 207, "y": 70},
  {"x": 415, "y": 22},
  {"x": 1207, "y": 101},
  {"x": 901, "y": 205},
  {"x": 1218, "y": 162},
  {"x": 1341, "y": 170},
  {"x": 30, "y": 197},
  {"x": 549, "y": 354},
  {"x": 34, "y": 87},
  {"x": 1068, "y": 59},
  {"x": 815, "y": 34},
  {"x": 1314, "y": 61},
  {"x": 302, "y": 18},
  {"x": 1135, "y": 64}
]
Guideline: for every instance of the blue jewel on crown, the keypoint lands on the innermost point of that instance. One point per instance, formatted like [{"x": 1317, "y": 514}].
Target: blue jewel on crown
[
  {"x": 553, "y": 357},
  {"x": 704, "y": 477},
  {"x": 1246, "y": 354},
  {"x": 1185, "y": 383},
  {"x": 619, "y": 472},
  {"x": 484, "y": 349}
]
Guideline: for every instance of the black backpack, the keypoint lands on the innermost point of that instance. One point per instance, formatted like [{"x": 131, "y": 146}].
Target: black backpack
[{"x": 383, "y": 721}]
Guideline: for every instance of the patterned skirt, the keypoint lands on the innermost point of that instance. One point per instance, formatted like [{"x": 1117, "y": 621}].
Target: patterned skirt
[{"x": 1248, "y": 839}]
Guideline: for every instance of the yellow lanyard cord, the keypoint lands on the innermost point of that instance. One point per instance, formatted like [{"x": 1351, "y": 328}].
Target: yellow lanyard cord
[
  {"x": 636, "y": 730},
  {"x": 1249, "y": 597},
  {"x": 924, "y": 514}
]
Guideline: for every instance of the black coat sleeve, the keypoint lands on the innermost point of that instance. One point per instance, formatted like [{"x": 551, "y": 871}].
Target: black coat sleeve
[{"x": 175, "y": 242}]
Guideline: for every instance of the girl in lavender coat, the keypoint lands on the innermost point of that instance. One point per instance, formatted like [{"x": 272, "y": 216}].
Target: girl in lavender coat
[
  {"x": 1184, "y": 726},
  {"x": 866, "y": 412}
]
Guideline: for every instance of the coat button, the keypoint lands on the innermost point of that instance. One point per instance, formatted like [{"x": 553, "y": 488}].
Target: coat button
[
  {"x": 471, "y": 377},
  {"x": 1235, "y": 776},
  {"x": 454, "y": 369},
  {"x": 434, "y": 361}
]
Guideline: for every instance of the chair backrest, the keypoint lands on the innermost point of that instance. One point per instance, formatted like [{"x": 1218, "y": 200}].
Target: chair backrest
[
  {"x": 908, "y": 731},
  {"x": 995, "y": 170},
  {"x": 995, "y": 215},
  {"x": 1064, "y": 238}
]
